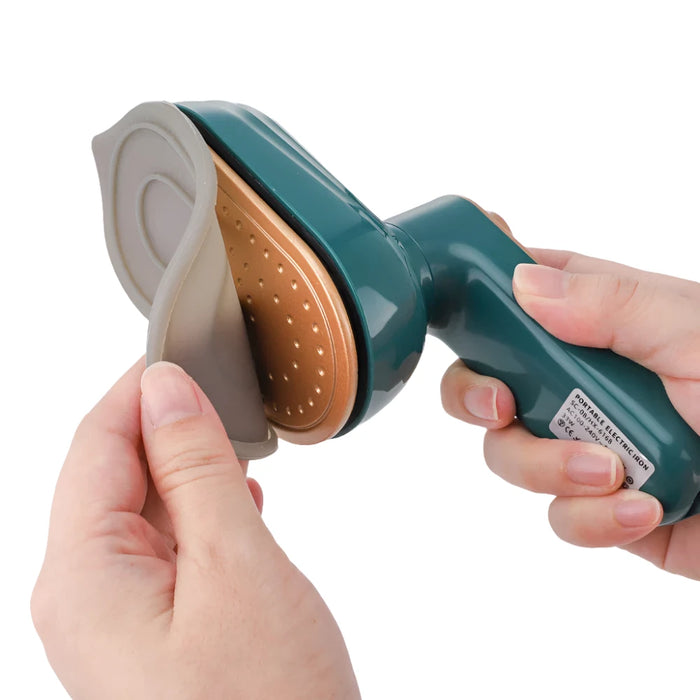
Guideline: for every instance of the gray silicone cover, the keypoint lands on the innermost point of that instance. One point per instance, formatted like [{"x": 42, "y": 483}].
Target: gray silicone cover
[{"x": 159, "y": 189}]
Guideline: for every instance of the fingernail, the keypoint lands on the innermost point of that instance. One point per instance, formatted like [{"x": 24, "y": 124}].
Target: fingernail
[
  {"x": 637, "y": 510},
  {"x": 167, "y": 394},
  {"x": 481, "y": 402},
  {"x": 592, "y": 469},
  {"x": 541, "y": 281}
]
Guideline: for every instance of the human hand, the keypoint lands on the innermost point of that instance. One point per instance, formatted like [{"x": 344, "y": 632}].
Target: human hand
[
  {"x": 652, "y": 319},
  {"x": 178, "y": 591}
]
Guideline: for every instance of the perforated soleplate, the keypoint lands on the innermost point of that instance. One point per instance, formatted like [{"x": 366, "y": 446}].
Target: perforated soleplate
[{"x": 299, "y": 331}]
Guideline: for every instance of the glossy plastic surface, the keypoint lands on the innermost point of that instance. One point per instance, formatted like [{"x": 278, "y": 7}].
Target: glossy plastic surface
[
  {"x": 472, "y": 309},
  {"x": 447, "y": 264},
  {"x": 378, "y": 287}
]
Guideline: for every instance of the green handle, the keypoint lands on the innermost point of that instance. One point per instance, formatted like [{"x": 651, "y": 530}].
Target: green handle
[{"x": 560, "y": 390}]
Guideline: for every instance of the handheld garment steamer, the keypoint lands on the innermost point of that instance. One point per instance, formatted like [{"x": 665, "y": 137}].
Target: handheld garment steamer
[{"x": 301, "y": 314}]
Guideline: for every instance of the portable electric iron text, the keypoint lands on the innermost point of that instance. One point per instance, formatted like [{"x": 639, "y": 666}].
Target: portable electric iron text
[{"x": 301, "y": 314}]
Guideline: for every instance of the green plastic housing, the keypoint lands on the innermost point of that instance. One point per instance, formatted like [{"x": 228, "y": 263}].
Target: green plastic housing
[
  {"x": 447, "y": 269},
  {"x": 473, "y": 310}
]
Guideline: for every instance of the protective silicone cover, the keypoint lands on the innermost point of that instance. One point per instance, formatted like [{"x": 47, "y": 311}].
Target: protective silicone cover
[{"x": 159, "y": 192}]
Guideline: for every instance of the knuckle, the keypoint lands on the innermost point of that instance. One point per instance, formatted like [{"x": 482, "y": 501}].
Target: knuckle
[
  {"x": 563, "y": 526},
  {"x": 516, "y": 472},
  {"x": 489, "y": 448},
  {"x": 453, "y": 385},
  {"x": 187, "y": 463},
  {"x": 446, "y": 388},
  {"x": 629, "y": 303},
  {"x": 609, "y": 304},
  {"x": 522, "y": 460},
  {"x": 120, "y": 525},
  {"x": 570, "y": 523},
  {"x": 188, "y": 457},
  {"x": 453, "y": 374},
  {"x": 623, "y": 292},
  {"x": 571, "y": 260},
  {"x": 626, "y": 292}
]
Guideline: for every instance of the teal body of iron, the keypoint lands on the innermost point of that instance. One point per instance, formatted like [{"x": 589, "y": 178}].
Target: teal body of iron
[{"x": 446, "y": 268}]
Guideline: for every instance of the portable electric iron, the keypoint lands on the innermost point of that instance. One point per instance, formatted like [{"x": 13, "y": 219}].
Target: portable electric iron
[{"x": 301, "y": 314}]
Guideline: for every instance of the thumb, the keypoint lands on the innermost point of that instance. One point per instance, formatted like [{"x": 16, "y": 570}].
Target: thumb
[
  {"x": 632, "y": 314},
  {"x": 193, "y": 465}
]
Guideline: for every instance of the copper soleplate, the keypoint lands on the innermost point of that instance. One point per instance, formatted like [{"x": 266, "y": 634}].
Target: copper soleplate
[{"x": 298, "y": 328}]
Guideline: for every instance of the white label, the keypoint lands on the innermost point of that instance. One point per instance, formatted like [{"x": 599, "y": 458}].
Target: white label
[{"x": 580, "y": 419}]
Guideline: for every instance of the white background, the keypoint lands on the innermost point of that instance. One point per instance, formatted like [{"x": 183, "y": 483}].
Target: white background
[{"x": 577, "y": 122}]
